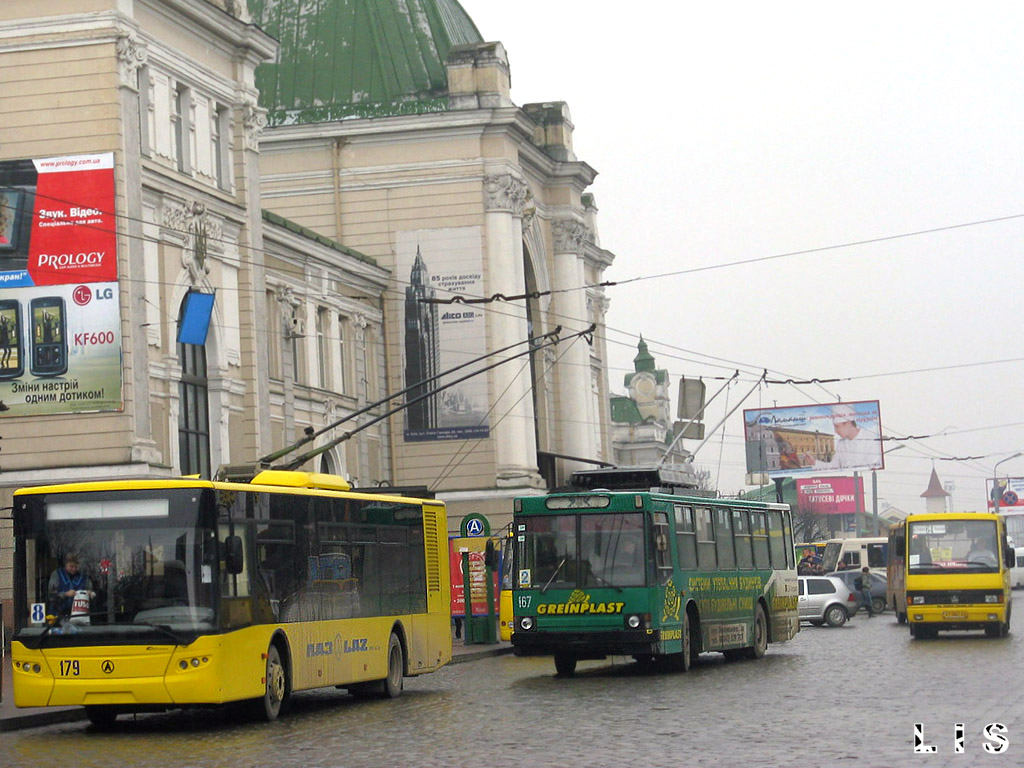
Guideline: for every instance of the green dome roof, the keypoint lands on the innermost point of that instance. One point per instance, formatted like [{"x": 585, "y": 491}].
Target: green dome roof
[{"x": 358, "y": 58}]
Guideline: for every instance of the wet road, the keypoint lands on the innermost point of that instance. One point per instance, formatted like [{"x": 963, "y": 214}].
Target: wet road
[{"x": 845, "y": 696}]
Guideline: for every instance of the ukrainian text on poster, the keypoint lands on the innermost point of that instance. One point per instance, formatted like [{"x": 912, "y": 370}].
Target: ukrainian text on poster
[
  {"x": 436, "y": 265},
  {"x": 60, "y": 328}
]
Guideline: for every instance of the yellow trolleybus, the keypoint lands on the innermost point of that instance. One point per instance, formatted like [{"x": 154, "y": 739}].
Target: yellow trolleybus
[
  {"x": 951, "y": 571},
  {"x": 206, "y": 592}
]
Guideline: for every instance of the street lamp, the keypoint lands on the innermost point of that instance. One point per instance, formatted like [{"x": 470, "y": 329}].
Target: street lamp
[
  {"x": 995, "y": 478},
  {"x": 874, "y": 489}
]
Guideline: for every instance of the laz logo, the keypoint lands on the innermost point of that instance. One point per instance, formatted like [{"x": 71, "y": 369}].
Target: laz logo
[{"x": 337, "y": 646}]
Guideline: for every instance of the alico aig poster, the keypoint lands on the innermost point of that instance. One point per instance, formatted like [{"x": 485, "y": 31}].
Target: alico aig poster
[
  {"x": 60, "y": 329},
  {"x": 437, "y": 267}
]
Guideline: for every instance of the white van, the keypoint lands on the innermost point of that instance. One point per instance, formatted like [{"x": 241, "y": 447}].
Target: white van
[
  {"x": 1017, "y": 569},
  {"x": 855, "y": 553}
]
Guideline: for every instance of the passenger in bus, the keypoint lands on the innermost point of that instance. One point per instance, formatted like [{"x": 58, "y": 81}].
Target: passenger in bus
[{"x": 65, "y": 582}]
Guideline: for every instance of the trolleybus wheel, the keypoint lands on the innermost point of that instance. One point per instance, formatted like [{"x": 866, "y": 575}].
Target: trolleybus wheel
[
  {"x": 269, "y": 705},
  {"x": 100, "y": 715},
  {"x": 693, "y": 641},
  {"x": 565, "y": 665},
  {"x": 760, "y": 646},
  {"x": 392, "y": 684}
]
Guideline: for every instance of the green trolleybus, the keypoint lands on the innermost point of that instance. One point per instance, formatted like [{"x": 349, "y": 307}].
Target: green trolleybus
[
  {"x": 200, "y": 592},
  {"x": 655, "y": 576}
]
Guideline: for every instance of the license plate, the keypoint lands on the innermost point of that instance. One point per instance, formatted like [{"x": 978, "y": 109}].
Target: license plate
[{"x": 954, "y": 614}]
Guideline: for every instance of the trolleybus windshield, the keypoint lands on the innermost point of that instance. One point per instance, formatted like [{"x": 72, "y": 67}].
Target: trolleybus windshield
[
  {"x": 584, "y": 550},
  {"x": 150, "y": 563}
]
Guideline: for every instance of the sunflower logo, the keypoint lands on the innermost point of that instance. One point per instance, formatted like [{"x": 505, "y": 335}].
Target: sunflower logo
[
  {"x": 579, "y": 596},
  {"x": 673, "y": 602}
]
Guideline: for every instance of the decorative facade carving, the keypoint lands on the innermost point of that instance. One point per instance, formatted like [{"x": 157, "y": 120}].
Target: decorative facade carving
[
  {"x": 131, "y": 56},
  {"x": 570, "y": 235},
  {"x": 505, "y": 192},
  {"x": 254, "y": 120},
  {"x": 191, "y": 217}
]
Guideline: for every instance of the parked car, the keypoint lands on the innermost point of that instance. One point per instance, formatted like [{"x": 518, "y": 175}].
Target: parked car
[
  {"x": 826, "y": 600},
  {"x": 878, "y": 604}
]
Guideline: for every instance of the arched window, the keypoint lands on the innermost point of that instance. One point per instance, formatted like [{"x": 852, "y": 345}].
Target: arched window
[{"x": 193, "y": 411}]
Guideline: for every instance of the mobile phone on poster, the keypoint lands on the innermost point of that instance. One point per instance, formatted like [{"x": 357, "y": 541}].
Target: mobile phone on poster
[
  {"x": 12, "y": 356},
  {"x": 49, "y": 337}
]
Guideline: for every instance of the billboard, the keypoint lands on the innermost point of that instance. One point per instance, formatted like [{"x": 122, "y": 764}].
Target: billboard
[
  {"x": 439, "y": 264},
  {"x": 814, "y": 439},
  {"x": 1011, "y": 494},
  {"x": 60, "y": 317},
  {"x": 829, "y": 495}
]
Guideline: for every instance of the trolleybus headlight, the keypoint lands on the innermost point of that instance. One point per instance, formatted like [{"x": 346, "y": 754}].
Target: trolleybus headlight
[
  {"x": 526, "y": 623},
  {"x": 633, "y": 622},
  {"x": 183, "y": 664},
  {"x": 918, "y": 600},
  {"x": 994, "y": 598}
]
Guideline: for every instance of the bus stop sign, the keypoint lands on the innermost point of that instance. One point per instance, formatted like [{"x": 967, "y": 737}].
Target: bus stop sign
[{"x": 475, "y": 524}]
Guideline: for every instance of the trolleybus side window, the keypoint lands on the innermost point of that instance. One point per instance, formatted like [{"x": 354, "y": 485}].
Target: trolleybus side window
[
  {"x": 777, "y": 544},
  {"x": 759, "y": 530},
  {"x": 787, "y": 520},
  {"x": 723, "y": 538},
  {"x": 686, "y": 542},
  {"x": 705, "y": 539},
  {"x": 741, "y": 529}
]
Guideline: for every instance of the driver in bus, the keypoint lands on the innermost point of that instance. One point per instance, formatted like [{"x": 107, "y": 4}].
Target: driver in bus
[
  {"x": 65, "y": 582},
  {"x": 981, "y": 553}
]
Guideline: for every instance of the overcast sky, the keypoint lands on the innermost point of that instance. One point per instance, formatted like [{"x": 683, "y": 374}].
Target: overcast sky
[{"x": 731, "y": 132}]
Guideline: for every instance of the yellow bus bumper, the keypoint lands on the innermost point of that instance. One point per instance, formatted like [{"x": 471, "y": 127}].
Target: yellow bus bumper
[
  {"x": 131, "y": 675},
  {"x": 956, "y": 614}
]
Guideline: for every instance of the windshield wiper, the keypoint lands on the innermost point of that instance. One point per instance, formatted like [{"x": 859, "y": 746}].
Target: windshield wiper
[
  {"x": 42, "y": 636},
  {"x": 545, "y": 587},
  {"x": 164, "y": 629}
]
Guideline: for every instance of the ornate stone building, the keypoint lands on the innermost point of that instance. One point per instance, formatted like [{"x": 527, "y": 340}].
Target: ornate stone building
[
  {"x": 314, "y": 187},
  {"x": 391, "y": 129},
  {"x": 160, "y": 95}
]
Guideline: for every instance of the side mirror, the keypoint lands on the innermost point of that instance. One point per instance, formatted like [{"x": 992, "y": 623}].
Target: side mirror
[
  {"x": 491, "y": 555},
  {"x": 1009, "y": 557},
  {"x": 233, "y": 559}
]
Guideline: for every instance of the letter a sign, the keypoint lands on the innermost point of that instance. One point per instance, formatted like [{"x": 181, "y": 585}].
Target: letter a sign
[{"x": 475, "y": 524}]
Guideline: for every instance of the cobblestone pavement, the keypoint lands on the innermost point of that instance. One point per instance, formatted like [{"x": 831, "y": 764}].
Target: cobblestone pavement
[{"x": 831, "y": 697}]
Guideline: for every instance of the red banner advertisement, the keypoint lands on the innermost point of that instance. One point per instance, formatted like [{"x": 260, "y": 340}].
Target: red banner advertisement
[
  {"x": 475, "y": 545},
  {"x": 74, "y": 237},
  {"x": 828, "y": 495}
]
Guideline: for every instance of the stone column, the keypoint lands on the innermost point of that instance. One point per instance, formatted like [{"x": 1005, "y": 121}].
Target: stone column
[
  {"x": 131, "y": 58},
  {"x": 573, "y": 368},
  {"x": 512, "y": 420}
]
